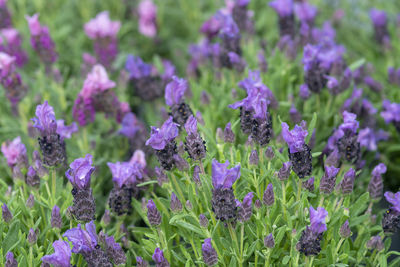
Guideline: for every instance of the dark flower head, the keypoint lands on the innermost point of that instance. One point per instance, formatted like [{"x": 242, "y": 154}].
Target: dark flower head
[
  {"x": 246, "y": 207},
  {"x": 80, "y": 172},
  {"x": 82, "y": 240},
  {"x": 269, "y": 241},
  {"x": 284, "y": 8},
  {"x": 175, "y": 203},
  {"x": 309, "y": 184},
  {"x": 284, "y": 172},
  {"x": 56, "y": 220},
  {"x": 295, "y": 138},
  {"x": 203, "y": 221},
  {"x": 253, "y": 158},
  {"x": 11, "y": 261},
  {"x": 345, "y": 231},
  {"x": 191, "y": 125},
  {"x": 159, "y": 258},
  {"x": 348, "y": 181},
  {"x": 161, "y": 136},
  {"x": 222, "y": 177},
  {"x": 32, "y": 236},
  {"x": 45, "y": 120},
  {"x": 317, "y": 220},
  {"x": 137, "y": 68},
  {"x": 125, "y": 173},
  {"x": 7, "y": 216},
  {"x": 393, "y": 199},
  {"x": 210, "y": 256},
  {"x": 175, "y": 90},
  {"x": 229, "y": 136},
  {"x": 268, "y": 197},
  {"x": 61, "y": 256},
  {"x": 153, "y": 215},
  {"x": 140, "y": 262},
  {"x": 30, "y": 202}
]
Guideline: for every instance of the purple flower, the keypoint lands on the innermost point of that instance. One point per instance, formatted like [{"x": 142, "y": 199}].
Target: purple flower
[
  {"x": 147, "y": 18},
  {"x": 82, "y": 240},
  {"x": 96, "y": 82},
  {"x": 65, "y": 131},
  {"x": 304, "y": 91},
  {"x": 159, "y": 258},
  {"x": 10, "y": 260},
  {"x": 137, "y": 68},
  {"x": 246, "y": 207},
  {"x": 175, "y": 90},
  {"x": 350, "y": 124},
  {"x": 268, "y": 197},
  {"x": 130, "y": 125},
  {"x": 6, "y": 213},
  {"x": 210, "y": 256},
  {"x": 153, "y": 215},
  {"x": 229, "y": 28},
  {"x": 45, "y": 120},
  {"x": 138, "y": 158},
  {"x": 284, "y": 172},
  {"x": 101, "y": 26},
  {"x": 56, "y": 220},
  {"x": 391, "y": 111},
  {"x": 347, "y": 183},
  {"x": 140, "y": 262},
  {"x": 379, "y": 170},
  {"x": 378, "y": 17},
  {"x": 305, "y": 12},
  {"x": 317, "y": 220},
  {"x": 211, "y": 27},
  {"x": 284, "y": 8},
  {"x": 10, "y": 43},
  {"x": 375, "y": 186},
  {"x": 369, "y": 139},
  {"x": 295, "y": 139},
  {"x": 160, "y": 137},
  {"x": 124, "y": 173},
  {"x": 191, "y": 125},
  {"x": 14, "y": 152},
  {"x": 345, "y": 231},
  {"x": 222, "y": 177},
  {"x": 393, "y": 199},
  {"x": 229, "y": 136},
  {"x": 175, "y": 203},
  {"x": 80, "y": 172}
]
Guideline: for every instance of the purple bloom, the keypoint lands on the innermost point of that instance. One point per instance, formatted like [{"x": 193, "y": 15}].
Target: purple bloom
[
  {"x": 7, "y": 216},
  {"x": 10, "y": 43},
  {"x": 369, "y": 139},
  {"x": 10, "y": 260},
  {"x": 130, "y": 125},
  {"x": 284, "y": 172},
  {"x": 175, "y": 203},
  {"x": 56, "y": 220},
  {"x": 305, "y": 12},
  {"x": 246, "y": 207},
  {"x": 14, "y": 152},
  {"x": 317, "y": 220},
  {"x": 391, "y": 112},
  {"x": 137, "y": 68},
  {"x": 350, "y": 124},
  {"x": 45, "y": 120},
  {"x": 124, "y": 173},
  {"x": 65, "y": 131},
  {"x": 147, "y": 18},
  {"x": 175, "y": 90},
  {"x": 268, "y": 197},
  {"x": 284, "y": 8},
  {"x": 345, "y": 231},
  {"x": 101, "y": 27},
  {"x": 295, "y": 139},
  {"x": 222, "y": 177},
  {"x": 140, "y": 262},
  {"x": 160, "y": 137},
  {"x": 375, "y": 186},
  {"x": 229, "y": 136},
  {"x": 378, "y": 17},
  {"x": 269, "y": 241},
  {"x": 80, "y": 172},
  {"x": 393, "y": 199},
  {"x": 153, "y": 215},
  {"x": 159, "y": 258},
  {"x": 304, "y": 91},
  {"x": 379, "y": 170},
  {"x": 191, "y": 125},
  {"x": 210, "y": 256},
  {"x": 347, "y": 183},
  {"x": 82, "y": 240},
  {"x": 211, "y": 27}
]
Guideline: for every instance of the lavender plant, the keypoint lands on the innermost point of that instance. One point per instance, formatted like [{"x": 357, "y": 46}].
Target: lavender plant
[{"x": 190, "y": 170}]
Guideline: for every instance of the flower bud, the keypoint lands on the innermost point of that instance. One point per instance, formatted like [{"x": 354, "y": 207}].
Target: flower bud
[
  {"x": 269, "y": 241},
  {"x": 203, "y": 221}
]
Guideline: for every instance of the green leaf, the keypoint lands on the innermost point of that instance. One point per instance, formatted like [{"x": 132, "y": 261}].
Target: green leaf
[
  {"x": 355, "y": 65},
  {"x": 11, "y": 239},
  {"x": 147, "y": 183},
  {"x": 360, "y": 205},
  {"x": 285, "y": 260},
  {"x": 311, "y": 127},
  {"x": 382, "y": 260},
  {"x": 190, "y": 227}
]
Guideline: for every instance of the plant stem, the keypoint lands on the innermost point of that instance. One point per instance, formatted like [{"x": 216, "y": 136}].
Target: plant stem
[
  {"x": 178, "y": 188},
  {"x": 53, "y": 184},
  {"x": 321, "y": 201},
  {"x": 235, "y": 240},
  {"x": 241, "y": 241}
]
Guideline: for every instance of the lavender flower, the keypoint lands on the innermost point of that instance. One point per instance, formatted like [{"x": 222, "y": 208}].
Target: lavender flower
[
  {"x": 203, "y": 221},
  {"x": 41, "y": 41},
  {"x": 268, "y": 197},
  {"x": 104, "y": 33},
  {"x": 284, "y": 9},
  {"x": 253, "y": 158},
  {"x": 11, "y": 80},
  {"x": 347, "y": 137},
  {"x": 32, "y": 236},
  {"x": 10, "y": 43},
  {"x": 15, "y": 153},
  {"x": 223, "y": 201},
  {"x": 5, "y": 16},
  {"x": 174, "y": 92},
  {"x": 51, "y": 143},
  {"x": 147, "y": 18},
  {"x": 391, "y": 113},
  {"x": 113, "y": 249},
  {"x": 347, "y": 183},
  {"x": 141, "y": 263},
  {"x": 299, "y": 152},
  {"x": 345, "y": 231},
  {"x": 175, "y": 203},
  {"x": 210, "y": 256},
  {"x": 10, "y": 260},
  {"x": 79, "y": 174},
  {"x": 159, "y": 258},
  {"x": 269, "y": 241},
  {"x": 328, "y": 181},
  {"x": 379, "y": 20},
  {"x": 309, "y": 184},
  {"x": 153, "y": 215},
  {"x": 7, "y": 216},
  {"x": 391, "y": 218},
  {"x": 30, "y": 202},
  {"x": 309, "y": 243},
  {"x": 245, "y": 208},
  {"x": 375, "y": 186},
  {"x": 32, "y": 179},
  {"x": 229, "y": 136},
  {"x": 56, "y": 221},
  {"x": 194, "y": 144},
  {"x": 85, "y": 242},
  {"x": 375, "y": 243},
  {"x": 284, "y": 172}
]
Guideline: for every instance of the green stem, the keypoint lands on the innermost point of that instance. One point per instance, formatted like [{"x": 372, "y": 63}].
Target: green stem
[
  {"x": 178, "y": 188},
  {"x": 321, "y": 201},
  {"x": 310, "y": 262},
  {"x": 338, "y": 247},
  {"x": 267, "y": 258},
  {"x": 284, "y": 198},
  {"x": 53, "y": 184},
  {"x": 235, "y": 240},
  {"x": 241, "y": 242}
]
